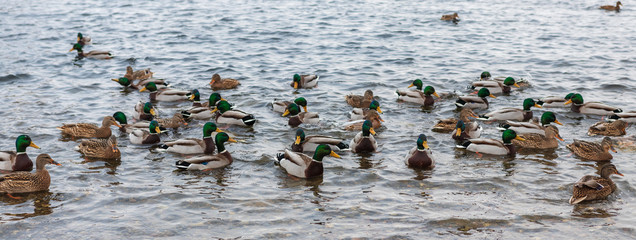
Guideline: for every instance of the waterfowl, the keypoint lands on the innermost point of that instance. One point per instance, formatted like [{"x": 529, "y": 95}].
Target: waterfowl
[
  {"x": 492, "y": 146},
  {"x": 548, "y": 140},
  {"x": 554, "y": 102},
  {"x": 515, "y": 114},
  {"x": 364, "y": 141},
  {"x": 591, "y": 150},
  {"x": 139, "y": 74},
  {"x": 297, "y": 117},
  {"x": 475, "y": 102},
  {"x": 18, "y": 160},
  {"x": 421, "y": 155},
  {"x": 594, "y": 108},
  {"x": 83, "y": 40},
  {"x": 120, "y": 117},
  {"x": 130, "y": 84},
  {"x": 304, "y": 81},
  {"x": 612, "y": 8},
  {"x": 309, "y": 143},
  {"x": 89, "y": 130},
  {"x": 359, "y": 113},
  {"x": 203, "y": 112},
  {"x": 92, "y": 54},
  {"x": 451, "y": 17},
  {"x": 464, "y": 132},
  {"x": 281, "y": 106},
  {"x": 591, "y": 187},
  {"x": 218, "y": 83},
  {"x": 104, "y": 148},
  {"x": 615, "y": 128},
  {"x": 174, "y": 122},
  {"x": 224, "y": 114},
  {"x": 166, "y": 95},
  {"x": 629, "y": 117},
  {"x": 144, "y": 111},
  {"x": 449, "y": 124},
  {"x": 209, "y": 161},
  {"x": 360, "y": 101},
  {"x": 485, "y": 76},
  {"x": 303, "y": 166},
  {"x": 356, "y": 125},
  {"x": 496, "y": 87},
  {"x": 195, "y": 145},
  {"x": 24, "y": 182},
  {"x": 419, "y": 96},
  {"x": 142, "y": 136}
]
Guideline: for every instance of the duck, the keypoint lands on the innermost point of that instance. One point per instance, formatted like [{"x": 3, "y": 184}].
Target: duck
[
  {"x": 360, "y": 101},
  {"x": 210, "y": 161},
  {"x": 615, "y": 128},
  {"x": 372, "y": 116},
  {"x": 612, "y": 8},
  {"x": 18, "y": 160},
  {"x": 161, "y": 84},
  {"x": 421, "y": 155},
  {"x": 532, "y": 126},
  {"x": 226, "y": 115},
  {"x": 364, "y": 140},
  {"x": 204, "y": 112},
  {"x": 464, "y": 131},
  {"x": 195, "y": 98},
  {"x": 359, "y": 113},
  {"x": 554, "y": 102},
  {"x": 302, "y": 166},
  {"x": 120, "y": 117},
  {"x": 449, "y": 124},
  {"x": 297, "y": 117},
  {"x": 591, "y": 150},
  {"x": 496, "y": 87},
  {"x": 83, "y": 40},
  {"x": 195, "y": 145},
  {"x": 593, "y": 108},
  {"x": 475, "y": 102},
  {"x": 304, "y": 81},
  {"x": 515, "y": 114},
  {"x": 419, "y": 96},
  {"x": 485, "y": 76},
  {"x": 96, "y": 54},
  {"x": 103, "y": 148},
  {"x": 143, "y": 74},
  {"x": 548, "y": 140},
  {"x": 89, "y": 130},
  {"x": 218, "y": 83},
  {"x": 309, "y": 143},
  {"x": 166, "y": 95},
  {"x": 174, "y": 122},
  {"x": 281, "y": 106},
  {"x": 144, "y": 111},
  {"x": 591, "y": 187},
  {"x": 628, "y": 117},
  {"x": 492, "y": 146},
  {"x": 451, "y": 17},
  {"x": 143, "y": 136},
  {"x": 25, "y": 182}
]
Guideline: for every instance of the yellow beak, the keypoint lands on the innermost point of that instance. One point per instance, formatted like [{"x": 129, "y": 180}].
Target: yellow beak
[
  {"x": 297, "y": 140},
  {"x": 380, "y": 110},
  {"x": 143, "y": 89},
  {"x": 537, "y": 105},
  {"x": 152, "y": 112},
  {"x": 459, "y": 132},
  {"x": 557, "y": 122},
  {"x": 71, "y": 50},
  {"x": 568, "y": 102},
  {"x": 33, "y": 145},
  {"x": 214, "y": 110},
  {"x": 305, "y": 107},
  {"x": 519, "y": 138},
  {"x": 116, "y": 80},
  {"x": 232, "y": 140},
  {"x": 116, "y": 124},
  {"x": 334, "y": 154},
  {"x": 516, "y": 85},
  {"x": 191, "y": 97},
  {"x": 295, "y": 85},
  {"x": 410, "y": 85},
  {"x": 425, "y": 145},
  {"x": 157, "y": 130},
  {"x": 435, "y": 93},
  {"x": 492, "y": 96},
  {"x": 558, "y": 137},
  {"x": 218, "y": 130},
  {"x": 286, "y": 112},
  {"x": 372, "y": 131}
]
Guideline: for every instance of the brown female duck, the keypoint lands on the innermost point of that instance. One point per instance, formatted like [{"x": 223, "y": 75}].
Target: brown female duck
[
  {"x": 591, "y": 150},
  {"x": 358, "y": 101},
  {"x": 218, "y": 83},
  {"x": 591, "y": 187},
  {"x": 24, "y": 182},
  {"x": 373, "y": 116},
  {"x": 615, "y": 128},
  {"x": 104, "y": 148},
  {"x": 612, "y": 8},
  {"x": 540, "y": 141},
  {"x": 89, "y": 130},
  {"x": 449, "y": 124}
]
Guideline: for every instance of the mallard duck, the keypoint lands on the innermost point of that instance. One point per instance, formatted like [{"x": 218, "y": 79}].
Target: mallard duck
[
  {"x": 309, "y": 143},
  {"x": 222, "y": 159},
  {"x": 356, "y": 125},
  {"x": 203, "y": 112},
  {"x": 195, "y": 145},
  {"x": 225, "y": 115},
  {"x": 475, "y": 102},
  {"x": 195, "y": 98},
  {"x": 142, "y": 136},
  {"x": 166, "y": 95},
  {"x": 591, "y": 187},
  {"x": 419, "y": 96},
  {"x": 83, "y": 40},
  {"x": 449, "y": 124},
  {"x": 18, "y": 160},
  {"x": 554, "y": 102},
  {"x": 594, "y": 108},
  {"x": 547, "y": 140},
  {"x": 612, "y": 8},
  {"x": 358, "y": 101},
  {"x": 144, "y": 111},
  {"x": 515, "y": 114},
  {"x": 92, "y": 54},
  {"x": 364, "y": 141},
  {"x": 451, "y": 17},
  {"x": 531, "y": 127},
  {"x": 217, "y": 83},
  {"x": 304, "y": 81},
  {"x": 120, "y": 117},
  {"x": 628, "y": 117},
  {"x": 24, "y": 182},
  {"x": 485, "y": 76},
  {"x": 104, "y": 148},
  {"x": 177, "y": 119},
  {"x": 591, "y": 150},
  {"x": 281, "y": 106},
  {"x": 615, "y": 128},
  {"x": 139, "y": 74},
  {"x": 89, "y": 130},
  {"x": 161, "y": 84},
  {"x": 359, "y": 113},
  {"x": 496, "y": 87},
  {"x": 492, "y": 146},
  {"x": 421, "y": 155},
  {"x": 463, "y": 132},
  {"x": 296, "y": 117},
  {"x": 303, "y": 166}
]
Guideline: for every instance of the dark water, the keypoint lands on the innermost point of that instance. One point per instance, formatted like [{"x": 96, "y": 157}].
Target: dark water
[{"x": 559, "y": 46}]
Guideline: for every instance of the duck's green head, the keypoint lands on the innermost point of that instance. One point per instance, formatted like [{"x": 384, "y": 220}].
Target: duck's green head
[
  {"x": 296, "y": 80},
  {"x": 428, "y": 90},
  {"x": 375, "y": 105},
  {"x": 154, "y": 127},
  {"x": 508, "y": 135},
  {"x": 528, "y": 103},
  {"x": 301, "y": 101},
  {"x": 510, "y": 81},
  {"x": 149, "y": 109},
  {"x": 77, "y": 47},
  {"x": 300, "y": 136},
  {"x": 123, "y": 81},
  {"x": 79, "y": 36},
  {"x": 459, "y": 127},
  {"x": 22, "y": 142},
  {"x": 367, "y": 128},
  {"x": 323, "y": 150},
  {"x": 576, "y": 99},
  {"x": 120, "y": 117},
  {"x": 209, "y": 128},
  {"x": 485, "y": 75},
  {"x": 421, "y": 142},
  {"x": 569, "y": 96},
  {"x": 549, "y": 117},
  {"x": 151, "y": 86},
  {"x": 222, "y": 106},
  {"x": 484, "y": 92},
  {"x": 292, "y": 109},
  {"x": 214, "y": 98},
  {"x": 417, "y": 83},
  {"x": 195, "y": 96},
  {"x": 220, "y": 139}
]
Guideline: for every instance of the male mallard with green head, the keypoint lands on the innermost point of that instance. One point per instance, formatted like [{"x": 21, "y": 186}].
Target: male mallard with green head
[
  {"x": 304, "y": 81},
  {"x": 419, "y": 95},
  {"x": 531, "y": 127},
  {"x": 83, "y": 40},
  {"x": 18, "y": 160},
  {"x": 594, "y": 108},
  {"x": 166, "y": 95},
  {"x": 195, "y": 145},
  {"x": 224, "y": 114},
  {"x": 309, "y": 143},
  {"x": 103, "y": 148},
  {"x": 303, "y": 166},
  {"x": 421, "y": 155},
  {"x": 591, "y": 187},
  {"x": 281, "y": 106},
  {"x": 364, "y": 140},
  {"x": 96, "y": 54},
  {"x": 492, "y": 146},
  {"x": 89, "y": 130},
  {"x": 475, "y": 102},
  {"x": 209, "y": 161},
  {"x": 144, "y": 111},
  {"x": 467, "y": 131},
  {"x": 24, "y": 182},
  {"x": 496, "y": 87},
  {"x": 143, "y": 136},
  {"x": 515, "y": 114},
  {"x": 218, "y": 83},
  {"x": 359, "y": 113},
  {"x": 554, "y": 102},
  {"x": 296, "y": 117},
  {"x": 591, "y": 150}
]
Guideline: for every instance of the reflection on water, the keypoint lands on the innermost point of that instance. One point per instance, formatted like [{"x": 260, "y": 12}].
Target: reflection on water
[{"x": 41, "y": 205}]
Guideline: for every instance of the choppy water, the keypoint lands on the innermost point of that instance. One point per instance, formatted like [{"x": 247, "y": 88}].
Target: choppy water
[{"x": 560, "y": 46}]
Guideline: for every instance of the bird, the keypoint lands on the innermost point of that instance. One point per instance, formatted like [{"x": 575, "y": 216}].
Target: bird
[
  {"x": 449, "y": 124},
  {"x": 419, "y": 96},
  {"x": 591, "y": 150},
  {"x": 173, "y": 122},
  {"x": 218, "y": 83},
  {"x": 360, "y": 101},
  {"x": 281, "y": 106},
  {"x": 204, "y": 111},
  {"x": 364, "y": 140},
  {"x": 195, "y": 98},
  {"x": 612, "y": 8},
  {"x": 515, "y": 114},
  {"x": 531, "y": 127},
  {"x": 210, "y": 161},
  {"x": 629, "y": 117},
  {"x": 142, "y": 74},
  {"x": 303, "y": 166},
  {"x": 24, "y": 182},
  {"x": 475, "y": 102},
  {"x": 296, "y": 117},
  {"x": 554, "y": 102},
  {"x": 96, "y": 54},
  {"x": 467, "y": 131},
  {"x": 591, "y": 187},
  {"x": 83, "y": 40},
  {"x": 615, "y": 128},
  {"x": 126, "y": 82},
  {"x": 594, "y": 108},
  {"x": 372, "y": 116},
  {"x": 103, "y": 148},
  {"x": 304, "y": 81},
  {"x": 165, "y": 94},
  {"x": 359, "y": 113},
  {"x": 421, "y": 155},
  {"x": 144, "y": 111},
  {"x": 451, "y": 17},
  {"x": 143, "y": 136},
  {"x": 485, "y": 76},
  {"x": 309, "y": 143},
  {"x": 496, "y": 87},
  {"x": 89, "y": 130},
  {"x": 18, "y": 160},
  {"x": 548, "y": 140},
  {"x": 492, "y": 146},
  {"x": 195, "y": 145},
  {"x": 225, "y": 115}
]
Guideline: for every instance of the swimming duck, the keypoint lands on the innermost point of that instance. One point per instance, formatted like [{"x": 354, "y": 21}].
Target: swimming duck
[
  {"x": 225, "y": 115},
  {"x": 463, "y": 132},
  {"x": 591, "y": 150},
  {"x": 139, "y": 74},
  {"x": 496, "y": 87},
  {"x": 451, "y": 17},
  {"x": 615, "y": 128},
  {"x": 83, "y": 40},
  {"x": 281, "y": 106},
  {"x": 175, "y": 122},
  {"x": 297, "y": 117},
  {"x": 359, "y": 113},
  {"x": 144, "y": 111},
  {"x": 516, "y": 114},
  {"x": 18, "y": 160},
  {"x": 304, "y": 81},
  {"x": 612, "y": 8},
  {"x": 492, "y": 146},
  {"x": 485, "y": 76},
  {"x": 591, "y": 187},
  {"x": 166, "y": 95},
  {"x": 475, "y": 102},
  {"x": 24, "y": 182},
  {"x": 419, "y": 96},
  {"x": 364, "y": 141},
  {"x": 161, "y": 84},
  {"x": 217, "y": 83},
  {"x": 358, "y": 101},
  {"x": 309, "y": 143},
  {"x": 104, "y": 148},
  {"x": 449, "y": 124},
  {"x": 356, "y": 125},
  {"x": 548, "y": 140},
  {"x": 195, "y": 98},
  {"x": 421, "y": 155},
  {"x": 92, "y": 54},
  {"x": 195, "y": 145},
  {"x": 142, "y": 136},
  {"x": 629, "y": 117},
  {"x": 209, "y": 161},
  {"x": 554, "y": 102},
  {"x": 89, "y": 130},
  {"x": 303, "y": 166},
  {"x": 594, "y": 108},
  {"x": 204, "y": 112},
  {"x": 532, "y": 126}
]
